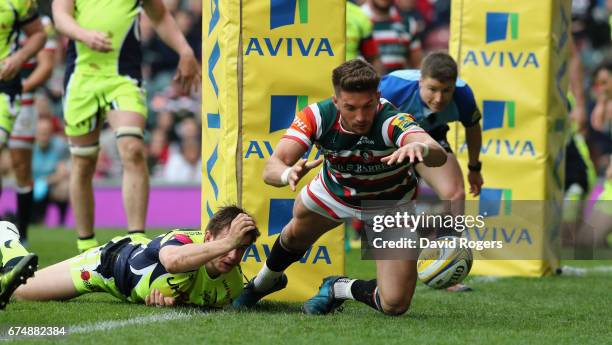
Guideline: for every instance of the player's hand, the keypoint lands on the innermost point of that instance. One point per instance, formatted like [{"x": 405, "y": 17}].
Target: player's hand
[
  {"x": 412, "y": 151},
  {"x": 98, "y": 41},
  {"x": 10, "y": 66},
  {"x": 240, "y": 227},
  {"x": 156, "y": 298},
  {"x": 188, "y": 73},
  {"x": 301, "y": 168},
  {"x": 475, "y": 181}
]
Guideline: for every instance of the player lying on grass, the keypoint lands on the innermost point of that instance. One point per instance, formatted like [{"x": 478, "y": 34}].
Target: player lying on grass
[
  {"x": 369, "y": 151},
  {"x": 182, "y": 266}
]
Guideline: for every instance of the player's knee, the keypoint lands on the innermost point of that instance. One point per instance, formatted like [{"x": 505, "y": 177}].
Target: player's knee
[
  {"x": 453, "y": 193},
  {"x": 459, "y": 194},
  {"x": 292, "y": 240},
  {"x": 131, "y": 145},
  {"x": 289, "y": 239},
  {"x": 396, "y": 308},
  {"x": 395, "y": 305},
  {"x": 132, "y": 152}
]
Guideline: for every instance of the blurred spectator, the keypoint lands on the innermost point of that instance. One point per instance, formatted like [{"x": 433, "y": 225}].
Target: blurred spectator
[
  {"x": 413, "y": 19},
  {"x": 441, "y": 13},
  {"x": 359, "y": 40},
  {"x": 159, "y": 151},
  {"x": 590, "y": 22},
  {"x": 173, "y": 101},
  {"x": 189, "y": 129},
  {"x": 185, "y": 166},
  {"x": 50, "y": 171},
  {"x": 426, "y": 9},
  {"x": 602, "y": 112},
  {"x": 398, "y": 49},
  {"x": 601, "y": 116},
  {"x": 165, "y": 123}
]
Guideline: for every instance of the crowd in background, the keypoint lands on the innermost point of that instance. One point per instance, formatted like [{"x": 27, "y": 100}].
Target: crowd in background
[
  {"x": 173, "y": 133},
  {"x": 402, "y": 32}
]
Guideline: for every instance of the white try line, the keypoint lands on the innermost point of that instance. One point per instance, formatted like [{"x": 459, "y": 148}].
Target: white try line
[
  {"x": 112, "y": 324},
  {"x": 565, "y": 271},
  {"x": 581, "y": 271}
]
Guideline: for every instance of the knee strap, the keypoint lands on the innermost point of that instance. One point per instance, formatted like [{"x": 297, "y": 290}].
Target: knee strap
[
  {"x": 129, "y": 131},
  {"x": 85, "y": 150}
]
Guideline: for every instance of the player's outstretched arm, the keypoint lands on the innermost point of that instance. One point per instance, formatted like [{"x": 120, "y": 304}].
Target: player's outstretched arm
[
  {"x": 192, "y": 256},
  {"x": 285, "y": 167},
  {"x": 418, "y": 147},
  {"x": 36, "y": 40},
  {"x": 63, "y": 15},
  {"x": 188, "y": 72}
]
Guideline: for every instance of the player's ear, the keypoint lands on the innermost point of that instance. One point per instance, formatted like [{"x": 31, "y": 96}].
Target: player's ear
[
  {"x": 335, "y": 101},
  {"x": 208, "y": 236}
]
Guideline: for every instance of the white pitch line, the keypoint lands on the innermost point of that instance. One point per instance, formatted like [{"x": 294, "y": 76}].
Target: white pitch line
[
  {"x": 604, "y": 269},
  {"x": 581, "y": 271},
  {"x": 112, "y": 324},
  {"x": 485, "y": 279},
  {"x": 566, "y": 271}
]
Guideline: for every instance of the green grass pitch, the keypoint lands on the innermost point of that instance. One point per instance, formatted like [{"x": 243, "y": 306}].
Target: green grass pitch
[{"x": 551, "y": 310}]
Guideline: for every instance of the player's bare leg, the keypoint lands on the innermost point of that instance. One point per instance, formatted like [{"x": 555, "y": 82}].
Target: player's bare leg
[
  {"x": 84, "y": 155},
  {"x": 297, "y": 236},
  {"x": 135, "y": 184},
  {"x": 396, "y": 282},
  {"x": 49, "y": 284},
  {"x": 446, "y": 181}
]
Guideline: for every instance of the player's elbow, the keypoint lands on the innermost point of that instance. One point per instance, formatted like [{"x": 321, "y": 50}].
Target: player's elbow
[
  {"x": 171, "y": 266},
  {"x": 268, "y": 173},
  {"x": 170, "y": 261}
]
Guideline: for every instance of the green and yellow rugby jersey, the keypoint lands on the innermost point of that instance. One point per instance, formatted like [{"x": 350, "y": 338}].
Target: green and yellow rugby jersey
[
  {"x": 119, "y": 20},
  {"x": 129, "y": 269},
  {"x": 14, "y": 14},
  {"x": 352, "y": 171}
]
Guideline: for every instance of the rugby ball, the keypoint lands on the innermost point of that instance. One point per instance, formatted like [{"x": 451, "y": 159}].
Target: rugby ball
[{"x": 444, "y": 263}]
